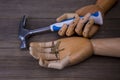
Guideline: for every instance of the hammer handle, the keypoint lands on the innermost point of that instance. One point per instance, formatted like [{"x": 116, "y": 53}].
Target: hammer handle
[
  {"x": 39, "y": 30},
  {"x": 97, "y": 16}
]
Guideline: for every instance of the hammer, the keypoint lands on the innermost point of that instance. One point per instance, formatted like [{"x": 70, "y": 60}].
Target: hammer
[{"x": 24, "y": 33}]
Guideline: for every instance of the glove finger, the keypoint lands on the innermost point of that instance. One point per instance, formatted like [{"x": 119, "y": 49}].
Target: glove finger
[
  {"x": 81, "y": 24},
  {"x": 87, "y": 27},
  {"x": 65, "y": 16},
  {"x": 63, "y": 29},
  {"x": 93, "y": 30},
  {"x": 70, "y": 31}
]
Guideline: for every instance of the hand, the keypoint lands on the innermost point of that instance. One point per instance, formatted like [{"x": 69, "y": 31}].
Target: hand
[
  {"x": 62, "y": 52},
  {"x": 84, "y": 27}
]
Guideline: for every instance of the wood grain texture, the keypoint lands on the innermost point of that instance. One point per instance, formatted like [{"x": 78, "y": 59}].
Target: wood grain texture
[{"x": 16, "y": 64}]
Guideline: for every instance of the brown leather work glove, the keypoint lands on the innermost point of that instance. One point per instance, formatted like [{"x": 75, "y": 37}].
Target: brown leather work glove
[
  {"x": 84, "y": 27},
  {"x": 62, "y": 52}
]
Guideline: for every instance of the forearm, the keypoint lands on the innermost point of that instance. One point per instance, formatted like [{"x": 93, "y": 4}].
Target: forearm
[
  {"x": 105, "y": 4},
  {"x": 106, "y": 47}
]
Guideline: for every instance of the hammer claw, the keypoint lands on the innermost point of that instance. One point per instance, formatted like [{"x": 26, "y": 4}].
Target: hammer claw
[{"x": 22, "y": 32}]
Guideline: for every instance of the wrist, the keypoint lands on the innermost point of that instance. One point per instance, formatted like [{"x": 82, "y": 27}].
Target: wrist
[
  {"x": 101, "y": 8},
  {"x": 105, "y": 5},
  {"x": 93, "y": 43},
  {"x": 106, "y": 47},
  {"x": 89, "y": 9}
]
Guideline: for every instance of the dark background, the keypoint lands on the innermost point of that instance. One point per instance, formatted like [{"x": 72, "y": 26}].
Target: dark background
[{"x": 19, "y": 65}]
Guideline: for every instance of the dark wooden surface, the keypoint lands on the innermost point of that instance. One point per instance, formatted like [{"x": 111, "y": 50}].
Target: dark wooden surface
[{"x": 19, "y": 65}]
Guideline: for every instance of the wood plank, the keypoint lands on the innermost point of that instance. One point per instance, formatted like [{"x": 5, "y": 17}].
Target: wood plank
[
  {"x": 40, "y": 8},
  {"x": 95, "y": 67}
]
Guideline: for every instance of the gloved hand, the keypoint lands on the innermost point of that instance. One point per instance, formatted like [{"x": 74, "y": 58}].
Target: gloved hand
[
  {"x": 61, "y": 53},
  {"x": 84, "y": 26}
]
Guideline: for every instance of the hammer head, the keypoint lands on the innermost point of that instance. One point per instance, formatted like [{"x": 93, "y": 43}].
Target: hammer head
[{"x": 23, "y": 33}]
